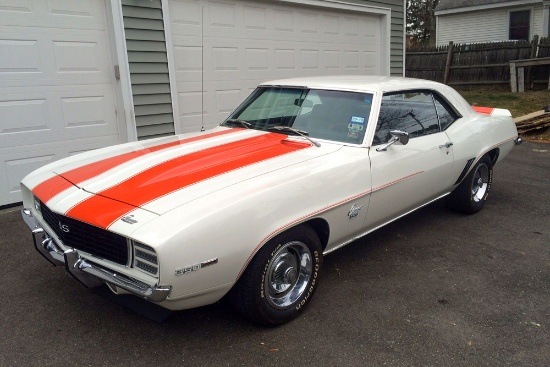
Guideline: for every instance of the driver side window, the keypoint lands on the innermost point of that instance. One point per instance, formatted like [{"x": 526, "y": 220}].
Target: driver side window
[{"x": 413, "y": 112}]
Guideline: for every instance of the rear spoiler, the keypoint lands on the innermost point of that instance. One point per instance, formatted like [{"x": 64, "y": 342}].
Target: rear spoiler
[{"x": 492, "y": 111}]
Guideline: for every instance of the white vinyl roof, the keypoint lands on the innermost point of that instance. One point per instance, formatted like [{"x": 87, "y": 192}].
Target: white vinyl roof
[
  {"x": 375, "y": 84},
  {"x": 364, "y": 83}
]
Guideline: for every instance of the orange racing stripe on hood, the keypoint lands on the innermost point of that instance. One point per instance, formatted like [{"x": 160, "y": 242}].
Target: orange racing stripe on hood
[
  {"x": 57, "y": 184},
  {"x": 111, "y": 204}
]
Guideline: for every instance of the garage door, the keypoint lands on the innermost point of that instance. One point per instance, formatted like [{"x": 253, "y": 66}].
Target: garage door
[
  {"x": 239, "y": 44},
  {"x": 56, "y": 85}
]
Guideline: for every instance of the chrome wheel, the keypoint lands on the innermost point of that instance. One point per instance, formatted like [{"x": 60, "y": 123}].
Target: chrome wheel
[
  {"x": 281, "y": 278},
  {"x": 470, "y": 195},
  {"x": 288, "y": 274},
  {"x": 480, "y": 182}
]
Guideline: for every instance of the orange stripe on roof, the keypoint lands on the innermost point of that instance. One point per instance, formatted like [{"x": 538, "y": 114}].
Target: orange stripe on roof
[
  {"x": 177, "y": 173},
  {"x": 57, "y": 184}
]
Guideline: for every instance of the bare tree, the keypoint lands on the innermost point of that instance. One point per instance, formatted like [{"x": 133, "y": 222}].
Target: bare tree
[{"x": 421, "y": 21}]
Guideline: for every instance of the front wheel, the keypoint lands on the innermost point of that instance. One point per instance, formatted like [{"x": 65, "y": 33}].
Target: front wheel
[
  {"x": 470, "y": 195},
  {"x": 281, "y": 278}
]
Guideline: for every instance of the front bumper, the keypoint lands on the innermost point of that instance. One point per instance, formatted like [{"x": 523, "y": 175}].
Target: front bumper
[{"x": 85, "y": 271}]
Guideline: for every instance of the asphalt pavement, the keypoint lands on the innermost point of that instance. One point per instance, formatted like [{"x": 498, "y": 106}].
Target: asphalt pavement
[{"x": 435, "y": 288}]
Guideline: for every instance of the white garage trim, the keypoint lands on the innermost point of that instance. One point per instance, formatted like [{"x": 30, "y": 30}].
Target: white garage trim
[
  {"x": 340, "y": 5},
  {"x": 405, "y": 34},
  {"x": 124, "y": 69},
  {"x": 171, "y": 67}
]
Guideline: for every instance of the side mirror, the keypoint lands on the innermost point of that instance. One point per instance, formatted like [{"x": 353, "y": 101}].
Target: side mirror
[
  {"x": 396, "y": 136},
  {"x": 402, "y": 136}
]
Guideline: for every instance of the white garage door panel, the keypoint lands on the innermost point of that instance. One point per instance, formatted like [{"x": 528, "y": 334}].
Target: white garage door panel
[
  {"x": 56, "y": 85},
  {"x": 53, "y": 13},
  {"x": 44, "y": 57},
  {"x": 19, "y": 161},
  {"x": 50, "y": 116},
  {"x": 246, "y": 43}
]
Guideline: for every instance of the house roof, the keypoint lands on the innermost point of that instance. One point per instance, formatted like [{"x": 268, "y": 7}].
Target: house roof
[{"x": 459, "y": 4}]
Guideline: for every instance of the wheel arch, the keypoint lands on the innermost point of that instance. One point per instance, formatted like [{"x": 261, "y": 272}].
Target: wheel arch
[
  {"x": 319, "y": 225},
  {"x": 493, "y": 155},
  {"x": 321, "y": 228},
  {"x": 272, "y": 306}
]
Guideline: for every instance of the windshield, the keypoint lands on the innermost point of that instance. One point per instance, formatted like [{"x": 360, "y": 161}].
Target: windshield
[{"x": 323, "y": 114}]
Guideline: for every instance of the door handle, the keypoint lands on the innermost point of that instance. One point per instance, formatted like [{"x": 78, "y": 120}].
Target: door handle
[{"x": 446, "y": 145}]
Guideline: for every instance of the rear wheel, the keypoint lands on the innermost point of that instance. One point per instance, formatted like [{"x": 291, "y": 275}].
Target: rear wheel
[
  {"x": 470, "y": 195},
  {"x": 281, "y": 278}
]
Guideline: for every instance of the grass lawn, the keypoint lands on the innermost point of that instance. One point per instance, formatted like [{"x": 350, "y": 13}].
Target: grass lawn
[{"x": 519, "y": 104}]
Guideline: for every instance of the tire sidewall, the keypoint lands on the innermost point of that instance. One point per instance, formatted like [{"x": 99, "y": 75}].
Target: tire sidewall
[
  {"x": 478, "y": 205},
  {"x": 276, "y": 316}
]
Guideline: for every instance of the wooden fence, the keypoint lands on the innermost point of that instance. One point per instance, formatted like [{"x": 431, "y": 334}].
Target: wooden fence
[{"x": 477, "y": 64}]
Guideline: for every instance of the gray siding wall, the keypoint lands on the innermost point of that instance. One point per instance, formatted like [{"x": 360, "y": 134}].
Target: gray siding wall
[
  {"x": 397, "y": 31},
  {"x": 148, "y": 62},
  {"x": 488, "y": 25}
]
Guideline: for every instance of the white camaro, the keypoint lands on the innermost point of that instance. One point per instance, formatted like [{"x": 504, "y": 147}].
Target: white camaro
[{"x": 248, "y": 209}]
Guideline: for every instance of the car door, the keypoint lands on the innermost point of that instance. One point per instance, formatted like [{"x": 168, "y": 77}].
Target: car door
[{"x": 405, "y": 177}]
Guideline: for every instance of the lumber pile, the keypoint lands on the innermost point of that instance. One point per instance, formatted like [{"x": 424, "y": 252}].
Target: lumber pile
[{"x": 541, "y": 121}]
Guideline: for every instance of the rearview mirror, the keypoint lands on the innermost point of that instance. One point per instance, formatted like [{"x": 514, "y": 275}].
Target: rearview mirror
[{"x": 306, "y": 103}]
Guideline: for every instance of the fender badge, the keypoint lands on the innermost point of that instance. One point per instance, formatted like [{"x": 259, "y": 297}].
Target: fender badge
[
  {"x": 195, "y": 267},
  {"x": 129, "y": 219},
  {"x": 354, "y": 211}
]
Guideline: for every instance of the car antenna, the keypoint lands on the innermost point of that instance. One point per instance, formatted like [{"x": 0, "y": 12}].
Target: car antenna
[{"x": 202, "y": 68}]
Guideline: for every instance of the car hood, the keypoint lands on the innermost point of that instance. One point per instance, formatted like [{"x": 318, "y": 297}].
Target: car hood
[{"x": 161, "y": 175}]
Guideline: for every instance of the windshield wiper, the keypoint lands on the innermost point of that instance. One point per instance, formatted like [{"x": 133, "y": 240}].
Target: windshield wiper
[
  {"x": 288, "y": 129},
  {"x": 246, "y": 124}
]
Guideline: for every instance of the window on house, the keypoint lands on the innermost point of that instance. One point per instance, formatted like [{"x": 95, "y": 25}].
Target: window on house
[{"x": 520, "y": 24}]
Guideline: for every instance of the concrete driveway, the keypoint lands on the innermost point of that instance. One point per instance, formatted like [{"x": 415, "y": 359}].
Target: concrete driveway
[{"x": 433, "y": 289}]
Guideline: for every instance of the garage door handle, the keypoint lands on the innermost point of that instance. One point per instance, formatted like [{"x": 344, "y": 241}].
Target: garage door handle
[{"x": 446, "y": 145}]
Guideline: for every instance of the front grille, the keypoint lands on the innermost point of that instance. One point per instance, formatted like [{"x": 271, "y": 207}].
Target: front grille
[
  {"x": 85, "y": 237},
  {"x": 148, "y": 268},
  {"x": 145, "y": 258}
]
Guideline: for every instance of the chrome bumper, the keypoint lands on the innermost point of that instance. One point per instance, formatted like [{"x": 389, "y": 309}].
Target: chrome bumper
[{"x": 86, "y": 272}]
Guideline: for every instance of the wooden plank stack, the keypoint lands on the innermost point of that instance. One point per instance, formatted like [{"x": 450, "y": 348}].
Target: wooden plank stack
[{"x": 537, "y": 121}]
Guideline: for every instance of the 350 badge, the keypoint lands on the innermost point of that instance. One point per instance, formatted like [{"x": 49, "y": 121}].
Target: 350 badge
[{"x": 195, "y": 267}]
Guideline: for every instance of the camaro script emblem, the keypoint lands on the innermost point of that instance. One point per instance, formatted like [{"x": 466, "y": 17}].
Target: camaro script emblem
[
  {"x": 64, "y": 227},
  {"x": 354, "y": 211},
  {"x": 129, "y": 219}
]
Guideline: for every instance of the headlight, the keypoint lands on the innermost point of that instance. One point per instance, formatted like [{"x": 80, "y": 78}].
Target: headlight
[
  {"x": 145, "y": 258},
  {"x": 37, "y": 204}
]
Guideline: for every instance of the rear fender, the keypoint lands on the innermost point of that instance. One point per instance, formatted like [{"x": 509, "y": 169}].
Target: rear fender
[{"x": 492, "y": 111}]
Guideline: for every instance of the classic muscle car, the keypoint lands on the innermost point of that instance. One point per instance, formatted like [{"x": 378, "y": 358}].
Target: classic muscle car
[{"x": 248, "y": 210}]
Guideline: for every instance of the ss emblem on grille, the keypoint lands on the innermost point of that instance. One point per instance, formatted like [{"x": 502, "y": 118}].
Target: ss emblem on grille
[{"x": 64, "y": 227}]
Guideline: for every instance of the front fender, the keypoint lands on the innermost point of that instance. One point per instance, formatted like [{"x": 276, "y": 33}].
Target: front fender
[{"x": 230, "y": 225}]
